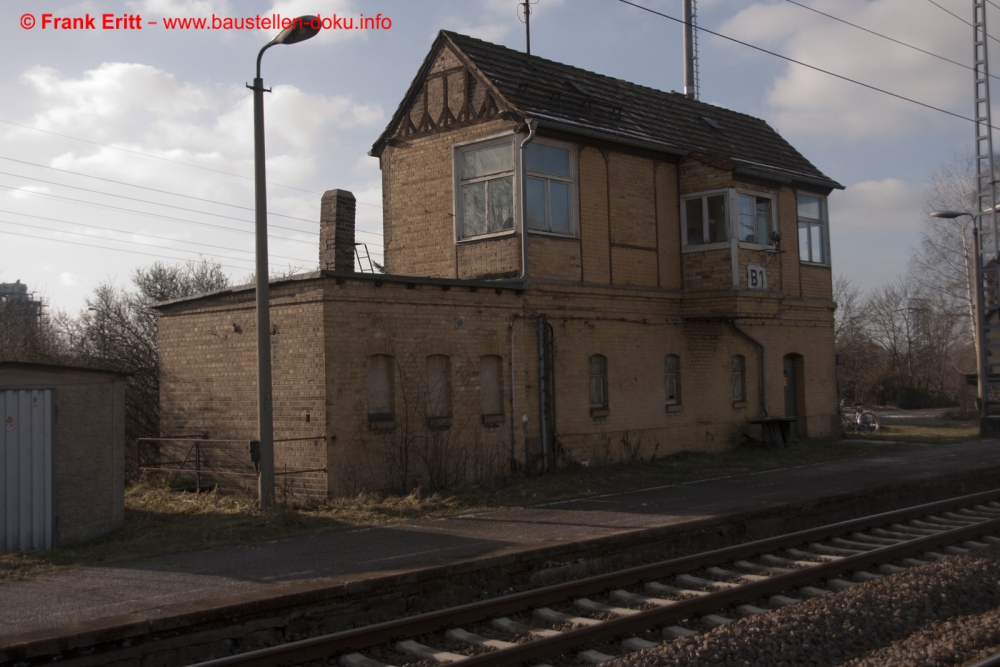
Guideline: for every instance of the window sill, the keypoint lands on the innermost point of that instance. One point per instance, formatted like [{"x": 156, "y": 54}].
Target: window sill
[
  {"x": 439, "y": 423},
  {"x": 819, "y": 265},
  {"x": 379, "y": 424},
  {"x": 718, "y": 245},
  {"x": 493, "y": 421},
  {"x": 554, "y": 235},
  {"x": 599, "y": 414},
  {"x": 487, "y": 237},
  {"x": 674, "y": 407},
  {"x": 739, "y": 405},
  {"x": 746, "y": 245}
]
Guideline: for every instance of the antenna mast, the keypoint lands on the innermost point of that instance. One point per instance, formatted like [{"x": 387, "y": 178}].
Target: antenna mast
[
  {"x": 690, "y": 17},
  {"x": 526, "y": 8}
]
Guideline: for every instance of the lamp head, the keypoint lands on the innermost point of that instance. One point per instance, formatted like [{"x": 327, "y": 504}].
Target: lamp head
[
  {"x": 948, "y": 214},
  {"x": 302, "y": 28}
]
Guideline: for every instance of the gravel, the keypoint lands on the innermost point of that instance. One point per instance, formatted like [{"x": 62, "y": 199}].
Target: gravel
[{"x": 943, "y": 613}]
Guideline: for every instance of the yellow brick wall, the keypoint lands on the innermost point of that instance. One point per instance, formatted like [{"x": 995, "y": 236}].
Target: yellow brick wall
[
  {"x": 788, "y": 224},
  {"x": 669, "y": 225},
  {"x": 817, "y": 281},
  {"x": 633, "y": 210},
  {"x": 553, "y": 257},
  {"x": 633, "y": 266},
  {"x": 708, "y": 269},
  {"x": 594, "y": 216},
  {"x": 490, "y": 258}
]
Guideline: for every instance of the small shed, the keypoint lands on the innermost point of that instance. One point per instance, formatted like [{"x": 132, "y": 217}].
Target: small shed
[{"x": 62, "y": 454}]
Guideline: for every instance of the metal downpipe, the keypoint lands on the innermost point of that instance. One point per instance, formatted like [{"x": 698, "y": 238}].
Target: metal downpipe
[{"x": 763, "y": 375}]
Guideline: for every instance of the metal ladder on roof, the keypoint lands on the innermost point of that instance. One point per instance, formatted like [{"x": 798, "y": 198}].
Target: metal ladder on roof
[{"x": 987, "y": 268}]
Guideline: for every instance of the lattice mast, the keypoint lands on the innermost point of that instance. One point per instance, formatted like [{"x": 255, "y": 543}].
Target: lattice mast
[{"x": 986, "y": 269}]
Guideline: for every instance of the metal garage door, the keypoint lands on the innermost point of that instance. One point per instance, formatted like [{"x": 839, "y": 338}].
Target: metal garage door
[{"x": 26, "y": 466}]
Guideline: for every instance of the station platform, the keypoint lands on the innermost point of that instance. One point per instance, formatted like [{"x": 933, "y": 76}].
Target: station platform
[{"x": 97, "y": 600}]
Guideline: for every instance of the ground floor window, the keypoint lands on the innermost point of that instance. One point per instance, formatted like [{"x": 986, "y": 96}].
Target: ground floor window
[
  {"x": 598, "y": 381},
  {"x": 671, "y": 379},
  {"x": 380, "y": 388},
  {"x": 739, "y": 378}
]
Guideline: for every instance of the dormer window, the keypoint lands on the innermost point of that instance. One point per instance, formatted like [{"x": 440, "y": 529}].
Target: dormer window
[{"x": 486, "y": 189}]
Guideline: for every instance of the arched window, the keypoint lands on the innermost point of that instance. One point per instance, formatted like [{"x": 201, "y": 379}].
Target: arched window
[
  {"x": 672, "y": 379},
  {"x": 491, "y": 385},
  {"x": 598, "y": 365},
  {"x": 739, "y": 377},
  {"x": 438, "y": 386},
  {"x": 380, "y": 394}
]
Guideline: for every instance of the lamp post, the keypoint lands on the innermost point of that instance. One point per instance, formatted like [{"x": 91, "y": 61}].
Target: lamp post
[
  {"x": 978, "y": 312},
  {"x": 301, "y": 29}
]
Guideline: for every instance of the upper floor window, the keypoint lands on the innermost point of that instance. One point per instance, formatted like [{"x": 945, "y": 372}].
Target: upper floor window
[
  {"x": 598, "y": 381},
  {"x": 549, "y": 179},
  {"x": 486, "y": 189},
  {"x": 755, "y": 218},
  {"x": 705, "y": 219},
  {"x": 671, "y": 379},
  {"x": 812, "y": 229},
  {"x": 714, "y": 217}
]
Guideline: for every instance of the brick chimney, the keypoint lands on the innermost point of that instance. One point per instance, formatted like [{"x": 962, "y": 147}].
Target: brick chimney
[{"x": 336, "y": 231}]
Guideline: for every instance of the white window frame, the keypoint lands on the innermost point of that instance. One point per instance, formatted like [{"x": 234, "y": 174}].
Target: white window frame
[
  {"x": 574, "y": 192},
  {"x": 704, "y": 209},
  {"x": 732, "y": 219},
  {"x": 457, "y": 204},
  {"x": 736, "y": 217},
  {"x": 823, "y": 223}
]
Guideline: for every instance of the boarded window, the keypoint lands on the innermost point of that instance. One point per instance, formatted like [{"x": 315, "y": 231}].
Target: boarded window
[
  {"x": 380, "y": 388},
  {"x": 739, "y": 378},
  {"x": 598, "y": 381},
  {"x": 438, "y": 386},
  {"x": 491, "y": 384},
  {"x": 671, "y": 379}
]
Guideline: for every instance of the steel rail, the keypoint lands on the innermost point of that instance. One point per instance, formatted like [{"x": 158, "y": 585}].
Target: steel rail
[
  {"x": 644, "y": 620},
  {"x": 356, "y": 639}
]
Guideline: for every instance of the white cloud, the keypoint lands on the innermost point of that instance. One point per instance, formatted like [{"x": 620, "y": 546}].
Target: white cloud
[
  {"x": 27, "y": 191},
  {"x": 497, "y": 18},
  {"x": 807, "y": 101},
  {"x": 68, "y": 278},
  {"x": 874, "y": 226}
]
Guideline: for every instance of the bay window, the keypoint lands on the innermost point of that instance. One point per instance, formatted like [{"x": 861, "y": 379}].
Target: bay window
[
  {"x": 812, "y": 229},
  {"x": 548, "y": 186},
  {"x": 715, "y": 217}
]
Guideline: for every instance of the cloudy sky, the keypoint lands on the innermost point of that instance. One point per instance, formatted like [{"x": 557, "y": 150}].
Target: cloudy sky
[{"x": 122, "y": 147}]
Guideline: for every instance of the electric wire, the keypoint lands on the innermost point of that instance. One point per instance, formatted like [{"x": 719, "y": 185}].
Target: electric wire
[
  {"x": 132, "y": 252},
  {"x": 156, "y": 215},
  {"x": 948, "y": 11},
  {"x": 165, "y": 192},
  {"x": 891, "y": 39},
  {"x": 812, "y": 67},
  {"x": 144, "y": 245},
  {"x": 125, "y": 231},
  {"x": 165, "y": 159}
]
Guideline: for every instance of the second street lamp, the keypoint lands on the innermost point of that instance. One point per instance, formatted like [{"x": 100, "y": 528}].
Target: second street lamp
[{"x": 301, "y": 29}]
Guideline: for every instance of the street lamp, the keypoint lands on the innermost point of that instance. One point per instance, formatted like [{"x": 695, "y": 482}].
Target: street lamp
[
  {"x": 299, "y": 30},
  {"x": 977, "y": 323}
]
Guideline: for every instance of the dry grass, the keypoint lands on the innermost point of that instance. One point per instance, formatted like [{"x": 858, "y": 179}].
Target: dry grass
[
  {"x": 160, "y": 520},
  {"x": 933, "y": 435}
]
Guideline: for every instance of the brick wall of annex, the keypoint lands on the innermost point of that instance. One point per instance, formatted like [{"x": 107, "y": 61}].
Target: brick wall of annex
[{"x": 208, "y": 380}]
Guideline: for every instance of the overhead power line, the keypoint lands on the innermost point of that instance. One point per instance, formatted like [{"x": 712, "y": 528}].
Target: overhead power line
[
  {"x": 131, "y": 252},
  {"x": 158, "y": 215},
  {"x": 143, "y": 187},
  {"x": 891, "y": 39},
  {"x": 807, "y": 65},
  {"x": 164, "y": 159},
  {"x": 948, "y": 11},
  {"x": 125, "y": 231}
]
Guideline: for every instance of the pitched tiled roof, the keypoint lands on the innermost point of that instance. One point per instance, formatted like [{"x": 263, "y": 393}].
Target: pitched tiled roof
[{"x": 593, "y": 104}]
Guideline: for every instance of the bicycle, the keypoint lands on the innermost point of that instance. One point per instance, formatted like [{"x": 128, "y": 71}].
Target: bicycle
[{"x": 864, "y": 421}]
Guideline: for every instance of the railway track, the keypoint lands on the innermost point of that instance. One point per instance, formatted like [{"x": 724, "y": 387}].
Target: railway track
[{"x": 599, "y": 618}]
